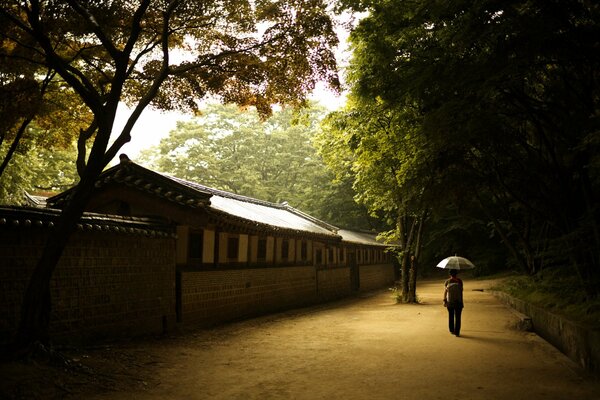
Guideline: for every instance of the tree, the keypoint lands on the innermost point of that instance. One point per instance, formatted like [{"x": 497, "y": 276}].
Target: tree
[
  {"x": 168, "y": 53},
  {"x": 37, "y": 169},
  {"x": 31, "y": 95},
  {"x": 500, "y": 88},
  {"x": 271, "y": 159},
  {"x": 375, "y": 145}
]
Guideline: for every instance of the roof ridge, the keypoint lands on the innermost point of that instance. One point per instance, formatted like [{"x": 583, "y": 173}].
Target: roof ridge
[
  {"x": 309, "y": 217},
  {"x": 224, "y": 193}
]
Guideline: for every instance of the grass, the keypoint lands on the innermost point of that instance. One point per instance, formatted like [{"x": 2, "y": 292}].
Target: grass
[
  {"x": 556, "y": 292},
  {"x": 397, "y": 295}
]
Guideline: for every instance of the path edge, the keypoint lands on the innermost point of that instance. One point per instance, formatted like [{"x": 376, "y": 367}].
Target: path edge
[{"x": 577, "y": 342}]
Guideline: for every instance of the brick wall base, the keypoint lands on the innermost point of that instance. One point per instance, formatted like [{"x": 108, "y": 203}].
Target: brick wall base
[
  {"x": 106, "y": 285},
  {"x": 376, "y": 276},
  {"x": 209, "y": 297}
]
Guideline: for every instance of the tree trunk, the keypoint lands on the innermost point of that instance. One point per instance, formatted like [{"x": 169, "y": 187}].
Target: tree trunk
[
  {"x": 37, "y": 305},
  {"x": 414, "y": 262},
  {"x": 412, "y": 284},
  {"x": 406, "y": 243},
  {"x": 405, "y": 275}
]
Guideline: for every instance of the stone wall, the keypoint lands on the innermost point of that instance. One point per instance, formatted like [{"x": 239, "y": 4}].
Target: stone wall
[
  {"x": 376, "y": 276},
  {"x": 213, "y": 296},
  {"x": 580, "y": 344},
  {"x": 116, "y": 277},
  {"x": 333, "y": 283}
]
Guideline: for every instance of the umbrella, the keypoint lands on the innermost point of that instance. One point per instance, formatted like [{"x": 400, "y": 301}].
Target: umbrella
[{"x": 455, "y": 262}]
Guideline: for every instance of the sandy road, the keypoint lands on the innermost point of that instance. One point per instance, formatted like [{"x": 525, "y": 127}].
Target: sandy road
[{"x": 363, "y": 348}]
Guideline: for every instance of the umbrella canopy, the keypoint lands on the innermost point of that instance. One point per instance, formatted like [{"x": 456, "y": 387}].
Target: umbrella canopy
[{"x": 455, "y": 262}]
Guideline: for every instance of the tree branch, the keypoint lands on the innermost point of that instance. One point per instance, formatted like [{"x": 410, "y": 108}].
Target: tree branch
[
  {"x": 136, "y": 27},
  {"x": 125, "y": 135},
  {"x": 78, "y": 81},
  {"x": 91, "y": 20},
  {"x": 84, "y": 136}
]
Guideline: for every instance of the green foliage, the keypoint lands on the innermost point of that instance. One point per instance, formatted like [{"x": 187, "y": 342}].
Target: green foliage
[
  {"x": 396, "y": 294},
  {"x": 374, "y": 146},
  {"x": 558, "y": 291},
  {"x": 37, "y": 170},
  {"x": 235, "y": 150},
  {"x": 377, "y": 148},
  {"x": 498, "y": 103},
  {"x": 470, "y": 238},
  {"x": 16, "y": 181}
]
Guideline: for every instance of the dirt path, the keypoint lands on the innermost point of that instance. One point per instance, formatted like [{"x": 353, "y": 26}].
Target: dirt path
[{"x": 365, "y": 348}]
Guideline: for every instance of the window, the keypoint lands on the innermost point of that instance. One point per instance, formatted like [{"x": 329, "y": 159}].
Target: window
[
  {"x": 285, "y": 249},
  {"x": 341, "y": 255},
  {"x": 233, "y": 246},
  {"x": 330, "y": 254},
  {"x": 318, "y": 257},
  {"x": 304, "y": 251},
  {"x": 261, "y": 253},
  {"x": 195, "y": 245}
]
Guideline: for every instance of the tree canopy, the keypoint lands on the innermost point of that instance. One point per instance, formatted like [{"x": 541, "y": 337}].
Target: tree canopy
[{"x": 498, "y": 103}]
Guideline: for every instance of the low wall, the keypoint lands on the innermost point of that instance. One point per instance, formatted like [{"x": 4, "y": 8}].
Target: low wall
[
  {"x": 580, "y": 344},
  {"x": 116, "y": 278},
  {"x": 212, "y": 296},
  {"x": 376, "y": 276},
  {"x": 333, "y": 283},
  {"x": 209, "y": 297}
]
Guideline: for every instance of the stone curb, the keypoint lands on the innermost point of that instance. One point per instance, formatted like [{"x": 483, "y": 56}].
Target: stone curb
[{"x": 577, "y": 342}]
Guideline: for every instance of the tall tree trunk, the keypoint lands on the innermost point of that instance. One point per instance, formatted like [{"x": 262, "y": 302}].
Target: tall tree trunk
[
  {"x": 412, "y": 284},
  {"x": 37, "y": 305},
  {"x": 414, "y": 261},
  {"x": 400, "y": 225},
  {"x": 406, "y": 239}
]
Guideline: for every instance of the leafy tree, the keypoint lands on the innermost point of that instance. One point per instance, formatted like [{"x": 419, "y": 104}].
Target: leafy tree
[
  {"x": 235, "y": 150},
  {"x": 506, "y": 95},
  {"x": 37, "y": 169},
  {"x": 375, "y": 146},
  {"x": 166, "y": 52},
  {"x": 31, "y": 95}
]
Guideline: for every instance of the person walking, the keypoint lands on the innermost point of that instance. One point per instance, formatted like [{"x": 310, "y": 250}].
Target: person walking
[{"x": 453, "y": 301}]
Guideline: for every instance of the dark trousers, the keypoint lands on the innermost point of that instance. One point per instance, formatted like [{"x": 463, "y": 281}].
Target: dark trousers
[{"x": 454, "y": 314}]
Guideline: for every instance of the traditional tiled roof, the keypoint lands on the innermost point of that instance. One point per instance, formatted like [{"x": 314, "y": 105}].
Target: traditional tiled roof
[
  {"x": 32, "y": 218},
  {"x": 35, "y": 201},
  {"x": 155, "y": 184},
  {"x": 260, "y": 211},
  {"x": 359, "y": 237},
  {"x": 238, "y": 209}
]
